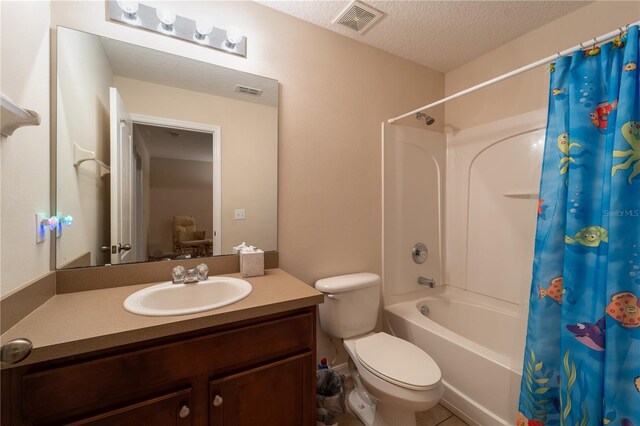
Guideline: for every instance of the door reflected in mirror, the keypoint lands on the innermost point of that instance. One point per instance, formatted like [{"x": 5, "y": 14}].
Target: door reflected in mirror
[{"x": 159, "y": 156}]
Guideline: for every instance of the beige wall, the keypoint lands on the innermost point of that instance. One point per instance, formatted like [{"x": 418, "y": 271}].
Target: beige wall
[
  {"x": 249, "y": 153},
  {"x": 24, "y": 156},
  {"x": 84, "y": 78},
  {"x": 191, "y": 182},
  {"x": 528, "y": 91}
]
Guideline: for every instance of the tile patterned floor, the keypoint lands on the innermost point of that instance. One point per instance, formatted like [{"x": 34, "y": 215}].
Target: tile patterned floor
[{"x": 438, "y": 415}]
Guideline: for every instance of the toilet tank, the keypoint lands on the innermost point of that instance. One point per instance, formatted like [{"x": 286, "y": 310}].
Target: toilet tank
[{"x": 350, "y": 305}]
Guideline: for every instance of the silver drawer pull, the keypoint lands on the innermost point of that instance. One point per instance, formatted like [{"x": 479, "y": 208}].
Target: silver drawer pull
[
  {"x": 184, "y": 412},
  {"x": 217, "y": 401}
]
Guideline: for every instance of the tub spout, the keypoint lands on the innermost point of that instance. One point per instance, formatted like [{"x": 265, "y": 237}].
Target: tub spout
[{"x": 431, "y": 283}]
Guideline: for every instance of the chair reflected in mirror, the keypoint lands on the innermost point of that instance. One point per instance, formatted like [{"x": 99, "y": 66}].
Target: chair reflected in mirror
[{"x": 188, "y": 240}]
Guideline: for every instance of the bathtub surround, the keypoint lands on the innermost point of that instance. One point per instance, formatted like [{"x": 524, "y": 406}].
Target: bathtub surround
[
  {"x": 481, "y": 202},
  {"x": 584, "y": 290},
  {"x": 413, "y": 163}
]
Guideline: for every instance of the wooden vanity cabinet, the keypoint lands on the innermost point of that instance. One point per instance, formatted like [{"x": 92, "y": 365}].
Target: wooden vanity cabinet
[{"x": 257, "y": 372}]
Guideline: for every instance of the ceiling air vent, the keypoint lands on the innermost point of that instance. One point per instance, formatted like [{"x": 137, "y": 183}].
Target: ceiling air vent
[
  {"x": 358, "y": 17},
  {"x": 248, "y": 90}
]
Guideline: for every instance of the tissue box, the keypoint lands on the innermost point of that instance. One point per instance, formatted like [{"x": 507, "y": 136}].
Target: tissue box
[{"x": 252, "y": 263}]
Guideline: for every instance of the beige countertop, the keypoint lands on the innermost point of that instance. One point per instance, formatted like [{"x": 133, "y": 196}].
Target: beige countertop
[{"x": 75, "y": 323}]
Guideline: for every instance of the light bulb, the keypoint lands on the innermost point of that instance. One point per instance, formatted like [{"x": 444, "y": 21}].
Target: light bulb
[
  {"x": 130, "y": 8},
  {"x": 234, "y": 36},
  {"x": 167, "y": 19},
  {"x": 203, "y": 27}
]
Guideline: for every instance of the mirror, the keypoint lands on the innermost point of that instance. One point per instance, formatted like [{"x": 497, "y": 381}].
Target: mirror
[{"x": 160, "y": 156}]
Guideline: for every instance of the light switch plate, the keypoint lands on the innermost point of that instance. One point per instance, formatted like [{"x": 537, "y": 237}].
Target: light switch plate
[
  {"x": 41, "y": 231},
  {"x": 239, "y": 214}
]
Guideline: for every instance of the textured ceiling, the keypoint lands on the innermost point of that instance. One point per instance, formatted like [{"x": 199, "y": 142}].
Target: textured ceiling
[
  {"x": 441, "y": 35},
  {"x": 178, "y": 144},
  {"x": 155, "y": 66}
]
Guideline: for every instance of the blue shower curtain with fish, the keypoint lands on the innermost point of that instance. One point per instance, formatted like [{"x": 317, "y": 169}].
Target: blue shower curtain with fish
[{"x": 582, "y": 356}]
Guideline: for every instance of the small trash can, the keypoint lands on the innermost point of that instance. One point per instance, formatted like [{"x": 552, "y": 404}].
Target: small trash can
[{"x": 330, "y": 397}]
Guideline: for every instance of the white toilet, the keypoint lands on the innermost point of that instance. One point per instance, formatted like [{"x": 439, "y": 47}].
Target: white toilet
[{"x": 393, "y": 378}]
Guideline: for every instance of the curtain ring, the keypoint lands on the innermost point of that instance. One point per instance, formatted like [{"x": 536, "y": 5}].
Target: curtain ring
[
  {"x": 582, "y": 47},
  {"x": 621, "y": 30},
  {"x": 595, "y": 41}
]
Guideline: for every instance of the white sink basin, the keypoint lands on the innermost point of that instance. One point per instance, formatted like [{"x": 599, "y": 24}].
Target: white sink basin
[{"x": 182, "y": 299}]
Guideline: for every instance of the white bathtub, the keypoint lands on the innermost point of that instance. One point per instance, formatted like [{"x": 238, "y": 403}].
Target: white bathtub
[{"x": 477, "y": 346}]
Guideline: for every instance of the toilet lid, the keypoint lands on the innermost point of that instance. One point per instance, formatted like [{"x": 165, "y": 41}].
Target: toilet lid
[{"x": 398, "y": 361}]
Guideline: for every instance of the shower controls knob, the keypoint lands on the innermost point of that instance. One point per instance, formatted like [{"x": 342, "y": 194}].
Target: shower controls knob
[{"x": 419, "y": 253}]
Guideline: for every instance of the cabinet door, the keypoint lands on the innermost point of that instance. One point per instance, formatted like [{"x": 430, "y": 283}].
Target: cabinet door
[
  {"x": 170, "y": 409},
  {"x": 281, "y": 393}
]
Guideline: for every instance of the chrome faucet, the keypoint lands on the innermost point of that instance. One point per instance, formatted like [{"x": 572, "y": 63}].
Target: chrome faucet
[
  {"x": 180, "y": 275},
  {"x": 429, "y": 282},
  {"x": 191, "y": 277}
]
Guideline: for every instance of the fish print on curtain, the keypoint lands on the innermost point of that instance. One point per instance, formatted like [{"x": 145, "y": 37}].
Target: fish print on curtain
[{"x": 582, "y": 356}]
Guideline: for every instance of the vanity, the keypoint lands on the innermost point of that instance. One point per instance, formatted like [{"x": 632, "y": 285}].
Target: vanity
[{"x": 248, "y": 363}]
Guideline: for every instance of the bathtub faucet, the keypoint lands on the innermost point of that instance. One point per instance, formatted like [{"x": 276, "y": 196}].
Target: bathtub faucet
[{"x": 431, "y": 283}]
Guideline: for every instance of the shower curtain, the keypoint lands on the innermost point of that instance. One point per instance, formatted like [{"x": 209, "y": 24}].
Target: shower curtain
[{"x": 582, "y": 357}]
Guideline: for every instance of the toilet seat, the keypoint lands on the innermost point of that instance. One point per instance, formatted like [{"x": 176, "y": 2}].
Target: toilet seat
[{"x": 397, "y": 361}]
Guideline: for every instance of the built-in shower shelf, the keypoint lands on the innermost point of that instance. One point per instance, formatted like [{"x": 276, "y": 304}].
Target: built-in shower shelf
[
  {"x": 14, "y": 117},
  {"x": 523, "y": 195}
]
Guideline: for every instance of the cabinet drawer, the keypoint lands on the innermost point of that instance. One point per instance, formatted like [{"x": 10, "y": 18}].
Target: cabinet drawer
[
  {"x": 106, "y": 382},
  {"x": 173, "y": 409}
]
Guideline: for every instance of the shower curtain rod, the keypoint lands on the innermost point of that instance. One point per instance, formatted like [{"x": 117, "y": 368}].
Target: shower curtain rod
[{"x": 605, "y": 37}]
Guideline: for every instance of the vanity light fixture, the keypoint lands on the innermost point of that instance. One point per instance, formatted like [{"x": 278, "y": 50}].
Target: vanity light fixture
[
  {"x": 165, "y": 22},
  {"x": 167, "y": 19},
  {"x": 234, "y": 36},
  {"x": 203, "y": 28},
  {"x": 129, "y": 9}
]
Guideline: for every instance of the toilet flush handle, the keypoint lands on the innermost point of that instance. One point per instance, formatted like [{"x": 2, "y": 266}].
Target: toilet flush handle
[{"x": 333, "y": 296}]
